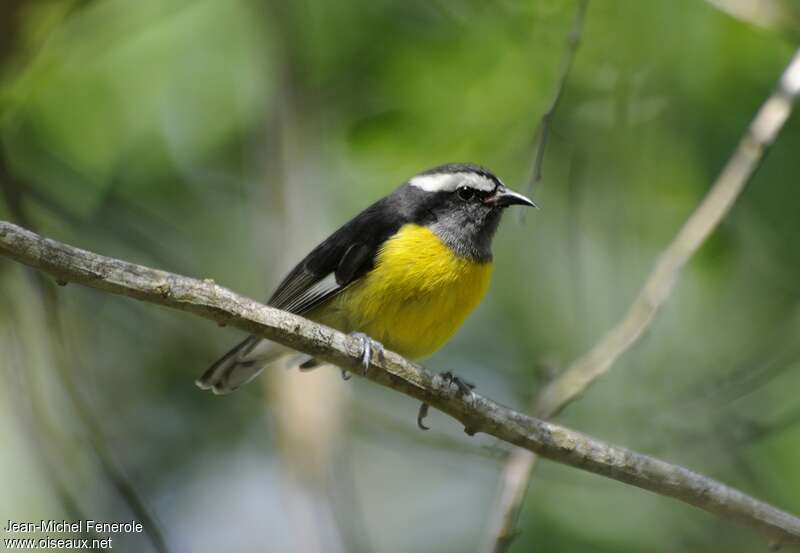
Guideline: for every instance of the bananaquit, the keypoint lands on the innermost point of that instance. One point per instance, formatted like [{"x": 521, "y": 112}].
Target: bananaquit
[{"x": 404, "y": 273}]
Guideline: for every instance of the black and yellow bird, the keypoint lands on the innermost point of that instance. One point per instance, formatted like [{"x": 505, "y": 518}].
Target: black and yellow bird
[{"x": 404, "y": 273}]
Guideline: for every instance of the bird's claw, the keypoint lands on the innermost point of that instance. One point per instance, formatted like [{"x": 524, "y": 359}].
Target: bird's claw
[
  {"x": 421, "y": 414},
  {"x": 464, "y": 388},
  {"x": 368, "y": 345}
]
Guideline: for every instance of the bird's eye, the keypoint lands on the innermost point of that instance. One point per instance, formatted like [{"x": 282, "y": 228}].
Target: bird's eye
[{"x": 465, "y": 193}]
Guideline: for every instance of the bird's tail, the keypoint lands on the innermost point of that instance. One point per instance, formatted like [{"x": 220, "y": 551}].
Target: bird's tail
[{"x": 241, "y": 364}]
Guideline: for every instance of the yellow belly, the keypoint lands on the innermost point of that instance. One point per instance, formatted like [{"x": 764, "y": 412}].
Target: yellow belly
[{"x": 416, "y": 297}]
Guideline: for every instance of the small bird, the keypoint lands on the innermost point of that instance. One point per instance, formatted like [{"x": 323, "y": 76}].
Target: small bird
[{"x": 403, "y": 274}]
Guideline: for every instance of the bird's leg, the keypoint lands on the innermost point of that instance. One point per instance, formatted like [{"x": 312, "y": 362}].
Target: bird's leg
[
  {"x": 464, "y": 388},
  {"x": 309, "y": 364},
  {"x": 368, "y": 344}
]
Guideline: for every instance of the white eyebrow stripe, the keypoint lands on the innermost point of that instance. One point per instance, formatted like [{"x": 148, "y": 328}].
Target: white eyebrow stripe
[{"x": 448, "y": 182}]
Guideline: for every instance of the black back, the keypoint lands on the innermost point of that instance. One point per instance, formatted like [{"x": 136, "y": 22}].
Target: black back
[{"x": 343, "y": 258}]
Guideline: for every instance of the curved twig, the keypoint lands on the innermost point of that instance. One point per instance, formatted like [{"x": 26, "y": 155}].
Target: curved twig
[{"x": 577, "y": 378}]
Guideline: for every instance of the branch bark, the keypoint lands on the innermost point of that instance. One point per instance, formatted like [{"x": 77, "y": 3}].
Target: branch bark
[
  {"x": 476, "y": 413},
  {"x": 582, "y": 373}
]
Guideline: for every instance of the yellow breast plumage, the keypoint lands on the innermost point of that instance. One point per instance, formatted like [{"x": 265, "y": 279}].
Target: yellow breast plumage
[{"x": 416, "y": 297}]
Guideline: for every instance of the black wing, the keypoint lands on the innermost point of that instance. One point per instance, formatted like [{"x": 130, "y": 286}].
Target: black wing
[{"x": 348, "y": 254}]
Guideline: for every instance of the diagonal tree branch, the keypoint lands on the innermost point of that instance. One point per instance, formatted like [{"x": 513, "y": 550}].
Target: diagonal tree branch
[
  {"x": 577, "y": 378},
  {"x": 477, "y": 413}
]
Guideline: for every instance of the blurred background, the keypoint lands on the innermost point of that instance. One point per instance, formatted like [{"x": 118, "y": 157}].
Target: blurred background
[{"x": 224, "y": 138}]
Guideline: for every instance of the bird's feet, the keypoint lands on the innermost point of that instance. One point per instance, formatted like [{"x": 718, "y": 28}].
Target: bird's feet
[
  {"x": 464, "y": 389},
  {"x": 310, "y": 364},
  {"x": 367, "y": 347}
]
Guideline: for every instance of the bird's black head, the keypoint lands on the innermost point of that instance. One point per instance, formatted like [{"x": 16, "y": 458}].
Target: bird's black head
[{"x": 462, "y": 203}]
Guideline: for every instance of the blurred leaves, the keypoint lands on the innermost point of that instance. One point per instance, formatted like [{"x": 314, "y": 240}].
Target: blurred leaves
[{"x": 145, "y": 79}]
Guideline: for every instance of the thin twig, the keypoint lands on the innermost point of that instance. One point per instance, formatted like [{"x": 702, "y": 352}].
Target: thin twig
[
  {"x": 659, "y": 285},
  {"x": 477, "y": 413},
  {"x": 543, "y": 128},
  {"x": 708, "y": 215}
]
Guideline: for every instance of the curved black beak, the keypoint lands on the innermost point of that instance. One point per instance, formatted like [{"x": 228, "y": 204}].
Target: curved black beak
[{"x": 504, "y": 197}]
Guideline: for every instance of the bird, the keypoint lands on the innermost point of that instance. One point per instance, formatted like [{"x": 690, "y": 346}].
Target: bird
[{"x": 403, "y": 274}]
